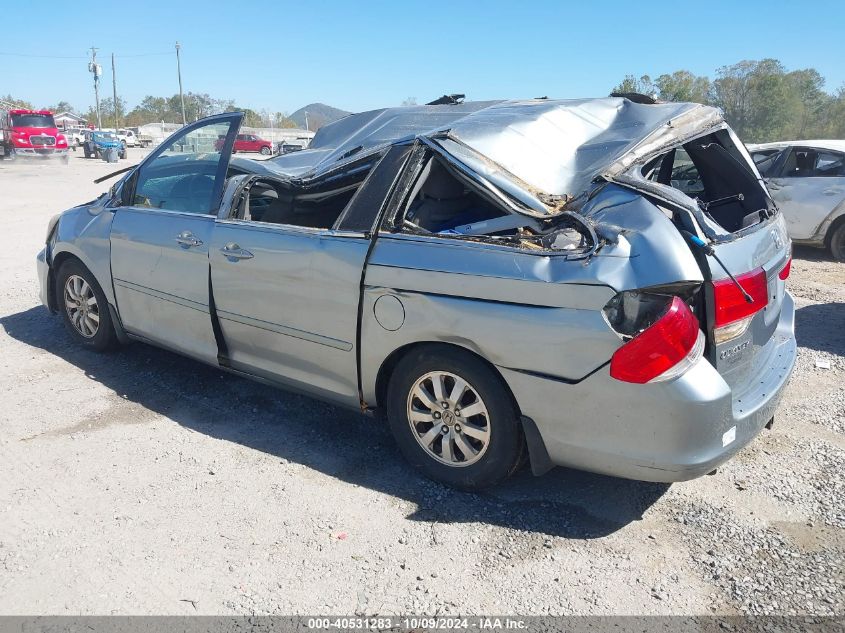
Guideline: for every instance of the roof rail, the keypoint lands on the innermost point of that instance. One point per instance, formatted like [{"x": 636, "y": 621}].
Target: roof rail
[
  {"x": 453, "y": 99},
  {"x": 636, "y": 97}
]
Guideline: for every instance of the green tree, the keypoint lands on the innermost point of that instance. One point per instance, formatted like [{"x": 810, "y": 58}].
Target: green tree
[
  {"x": 682, "y": 85},
  {"x": 61, "y": 106},
  {"x": 16, "y": 103},
  {"x": 630, "y": 83},
  {"x": 813, "y": 102},
  {"x": 108, "y": 116}
]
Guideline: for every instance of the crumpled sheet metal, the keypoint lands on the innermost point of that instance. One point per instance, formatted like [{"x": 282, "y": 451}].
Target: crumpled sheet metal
[{"x": 526, "y": 148}]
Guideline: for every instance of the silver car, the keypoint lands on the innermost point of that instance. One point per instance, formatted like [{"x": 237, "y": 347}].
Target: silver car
[
  {"x": 500, "y": 279},
  {"x": 807, "y": 181}
]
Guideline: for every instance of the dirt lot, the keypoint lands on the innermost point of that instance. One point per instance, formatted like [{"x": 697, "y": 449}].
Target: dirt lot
[{"x": 142, "y": 482}]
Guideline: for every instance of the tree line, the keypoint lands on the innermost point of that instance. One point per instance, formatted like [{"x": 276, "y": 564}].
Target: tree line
[
  {"x": 762, "y": 101},
  {"x": 153, "y": 109}
]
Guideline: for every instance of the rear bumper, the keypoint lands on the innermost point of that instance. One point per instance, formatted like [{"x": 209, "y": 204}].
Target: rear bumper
[
  {"x": 40, "y": 151},
  {"x": 665, "y": 432}
]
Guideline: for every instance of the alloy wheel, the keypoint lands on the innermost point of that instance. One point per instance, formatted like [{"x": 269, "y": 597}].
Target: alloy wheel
[
  {"x": 81, "y": 306},
  {"x": 448, "y": 419}
]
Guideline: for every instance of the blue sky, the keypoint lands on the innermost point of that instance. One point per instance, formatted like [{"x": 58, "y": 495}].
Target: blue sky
[{"x": 363, "y": 55}]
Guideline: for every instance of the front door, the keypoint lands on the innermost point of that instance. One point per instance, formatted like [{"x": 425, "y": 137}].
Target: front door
[{"x": 161, "y": 235}]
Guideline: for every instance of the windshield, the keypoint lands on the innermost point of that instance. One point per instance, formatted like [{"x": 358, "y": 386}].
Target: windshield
[
  {"x": 104, "y": 136},
  {"x": 33, "y": 120}
]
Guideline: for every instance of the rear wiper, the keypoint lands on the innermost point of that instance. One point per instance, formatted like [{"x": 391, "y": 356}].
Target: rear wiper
[{"x": 115, "y": 173}]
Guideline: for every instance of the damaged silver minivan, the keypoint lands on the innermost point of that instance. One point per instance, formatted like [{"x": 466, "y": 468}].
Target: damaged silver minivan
[{"x": 501, "y": 279}]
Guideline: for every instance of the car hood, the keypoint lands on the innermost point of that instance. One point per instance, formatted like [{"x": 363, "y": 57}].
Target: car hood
[{"x": 541, "y": 152}]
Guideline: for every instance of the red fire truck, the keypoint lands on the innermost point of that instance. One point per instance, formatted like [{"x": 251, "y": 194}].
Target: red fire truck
[{"x": 30, "y": 133}]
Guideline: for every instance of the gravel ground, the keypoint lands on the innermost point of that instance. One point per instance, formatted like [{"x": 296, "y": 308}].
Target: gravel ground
[{"x": 144, "y": 483}]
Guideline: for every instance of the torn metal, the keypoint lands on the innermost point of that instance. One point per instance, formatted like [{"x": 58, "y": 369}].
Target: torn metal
[{"x": 540, "y": 154}]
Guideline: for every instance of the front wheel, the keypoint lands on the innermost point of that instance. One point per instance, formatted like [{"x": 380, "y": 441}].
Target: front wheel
[
  {"x": 84, "y": 307},
  {"x": 837, "y": 243},
  {"x": 265, "y": 151},
  {"x": 453, "y": 418}
]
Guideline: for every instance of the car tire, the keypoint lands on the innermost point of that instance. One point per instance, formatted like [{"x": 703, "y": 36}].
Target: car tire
[
  {"x": 437, "y": 441},
  {"x": 837, "y": 243},
  {"x": 89, "y": 323},
  {"x": 265, "y": 151}
]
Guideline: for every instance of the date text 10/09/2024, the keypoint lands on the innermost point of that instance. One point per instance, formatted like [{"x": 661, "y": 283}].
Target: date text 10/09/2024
[{"x": 432, "y": 623}]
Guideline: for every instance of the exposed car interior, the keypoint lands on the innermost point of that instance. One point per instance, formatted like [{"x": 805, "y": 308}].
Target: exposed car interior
[
  {"x": 277, "y": 202},
  {"x": 715, "y": 175},
  {"x": 440, "y": 202},
  {"x": 809, "y": 163}
]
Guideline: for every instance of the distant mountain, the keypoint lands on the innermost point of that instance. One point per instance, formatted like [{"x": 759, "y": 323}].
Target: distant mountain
[{"x": 318, "y": 115}]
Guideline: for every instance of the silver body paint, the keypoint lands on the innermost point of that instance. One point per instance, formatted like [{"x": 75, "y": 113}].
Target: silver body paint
[{"x": 327, "y": 311}]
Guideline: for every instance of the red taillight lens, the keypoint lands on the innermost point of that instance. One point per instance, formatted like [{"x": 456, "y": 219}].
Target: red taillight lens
[
  {"x": 730, "y": 303},
  {"x": 673, "y": 338},
  {"x": 784, "y": 272}
]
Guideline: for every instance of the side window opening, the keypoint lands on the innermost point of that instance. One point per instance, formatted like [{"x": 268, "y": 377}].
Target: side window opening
[
  {"x": 765, "y": 161},
  {"x": 445, "y": 202},
  {"x": 441, "y": 202},
  {"x": 275, "y": 202},
  {"x": 830, "y": 164},
  {"x": 799, "y": 164}
]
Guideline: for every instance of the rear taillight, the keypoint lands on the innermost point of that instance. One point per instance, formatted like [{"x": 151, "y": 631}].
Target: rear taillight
[
  {"x": 733, "y": 312},
  {"x": 784, "y": 272},
  {"x": 667, "y": 346}
]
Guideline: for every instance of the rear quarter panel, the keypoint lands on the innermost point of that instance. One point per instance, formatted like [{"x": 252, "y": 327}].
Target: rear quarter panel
[
  {"x": 521, "y": 310},
  {"x": 505, "y": 305}
]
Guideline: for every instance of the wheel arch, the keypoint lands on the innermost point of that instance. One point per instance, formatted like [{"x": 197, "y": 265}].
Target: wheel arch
[
  {"x": 58, "y": 260},
  {"x": 837, "y": 221},
  {"x": 538, "y": 455},
  {"x": 385, "y": 371},
  {"x": 63, "y": 254}
]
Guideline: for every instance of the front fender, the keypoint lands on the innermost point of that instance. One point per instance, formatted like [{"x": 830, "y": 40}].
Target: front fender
[{"x": 84, "y": 232}]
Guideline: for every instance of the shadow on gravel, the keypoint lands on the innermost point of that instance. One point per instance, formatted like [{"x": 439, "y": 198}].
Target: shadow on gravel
[
  {"x": 811, "y": 253},
  {"x": 819, "y": 326},
  {"x": 340, "y": 443}
]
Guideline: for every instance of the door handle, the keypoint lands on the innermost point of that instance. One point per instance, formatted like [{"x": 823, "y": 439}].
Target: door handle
[
  {"x": 186, "y": 238},
  {"x": 233, "y": 251}
]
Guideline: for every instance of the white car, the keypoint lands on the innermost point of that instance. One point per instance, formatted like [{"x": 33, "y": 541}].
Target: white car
[
  {"x": 75, "y": 137},
  {"x": 807, "y": 181},
  {"x": 128, "y": 137}
]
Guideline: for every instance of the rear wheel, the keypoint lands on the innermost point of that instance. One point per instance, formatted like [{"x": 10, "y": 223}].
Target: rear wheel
[
  {"x": 453, "y": 419},
  {"x": 84, "y": 307},
  {"x": 837, "y": 242}
]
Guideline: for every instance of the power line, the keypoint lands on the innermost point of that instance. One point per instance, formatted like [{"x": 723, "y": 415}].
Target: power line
[
  {"x": 80, "y": 56},
  {"x": 45, "y": 56}
]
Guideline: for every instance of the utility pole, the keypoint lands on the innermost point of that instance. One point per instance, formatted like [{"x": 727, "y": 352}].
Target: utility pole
[
  {"x": 179, "y": 71},
  {"x": 96, "y": 70},
  {"x": 306, "y": 121},
  {"x": 114, "y": 94}
]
